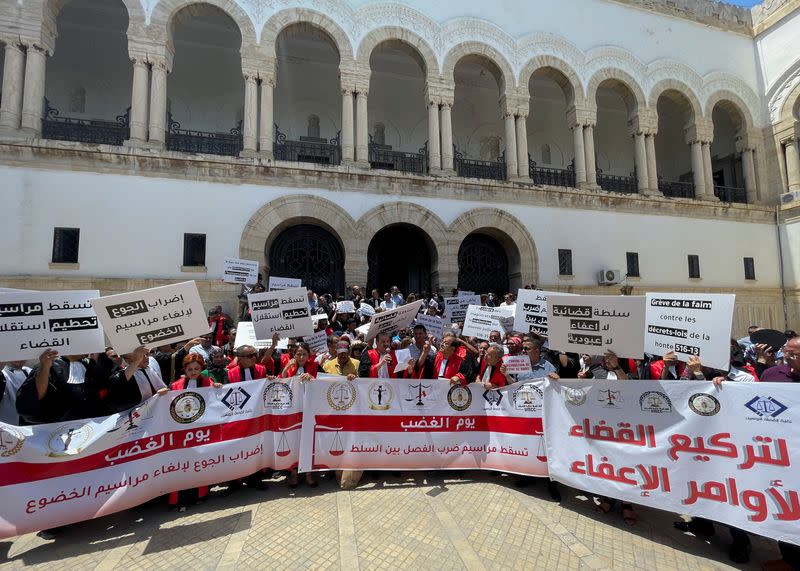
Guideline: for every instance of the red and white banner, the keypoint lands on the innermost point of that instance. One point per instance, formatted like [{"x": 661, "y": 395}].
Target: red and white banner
[
  {"x": 729, "y": 454},
  {"x": 57, "y": 474},
  {"x": 392, "y": 424}
]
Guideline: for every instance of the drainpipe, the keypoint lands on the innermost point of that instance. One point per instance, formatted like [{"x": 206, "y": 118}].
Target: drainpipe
[{"x": 780, "y": 265}]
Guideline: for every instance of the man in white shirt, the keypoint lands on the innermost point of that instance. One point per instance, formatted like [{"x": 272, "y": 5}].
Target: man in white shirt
[
  {"x": 387, "y": 303},
  {"x": 11, "y": 379}
]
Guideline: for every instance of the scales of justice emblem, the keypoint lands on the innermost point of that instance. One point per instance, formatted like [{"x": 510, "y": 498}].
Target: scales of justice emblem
[
  {"x": 421, "y": 393},
  {"x": 283, "y": 448},
  {"x": 609, "y": 398}
]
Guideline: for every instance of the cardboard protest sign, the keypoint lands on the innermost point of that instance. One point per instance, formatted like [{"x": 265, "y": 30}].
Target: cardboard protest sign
[
  {"x": 345, "y": 307},
  {"x": 595, "y": 324},
  {"x": 152, "y": 317},
  {"x": 517, "y": 364},
  {"x": 240, "y": 271},
  {"x": 455, "y": 308},
  {"x": 690, "y": 324},
  {"x": 482, "y": 320},
  {"x": 433, "y": 324},
  {"x": 393, "y": 319},
  {"x": 366, "y": 310},
  {"x": 246, "y": 335},
  {"x": 276, "y": 283},
  {"x": 531, "y": 311},
  {"x": 318, "y": 342},
  {"x": 32, "y": 322},
  {"x": 284, "y": 312}
]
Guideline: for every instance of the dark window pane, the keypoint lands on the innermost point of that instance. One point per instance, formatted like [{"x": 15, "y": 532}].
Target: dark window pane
[
  {"x": 749, "y": 269},
  {"x": 694, "y": 266},
  {"x": 633, "y": 264},
  {"x": 65, "y": 245},
  {"x": 565, "y": 262},
  {"x": 194, "y": 249}
]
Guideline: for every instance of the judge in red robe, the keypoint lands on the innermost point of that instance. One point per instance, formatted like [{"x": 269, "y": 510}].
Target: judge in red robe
[
  {"x": 373, "y": 365},
  {"x": 246, "y": 368},
  {"x": 493, "y": 372},
  {"x": 304, "y": 367},
  {"x": 447, "y": 364}
]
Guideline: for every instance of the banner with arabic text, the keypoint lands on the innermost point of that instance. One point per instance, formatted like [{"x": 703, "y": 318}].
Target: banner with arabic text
[
  {"x": 57, "y": 474},
  {"x": 384, "y": 424},
  {"x": 729, "y": 454}
]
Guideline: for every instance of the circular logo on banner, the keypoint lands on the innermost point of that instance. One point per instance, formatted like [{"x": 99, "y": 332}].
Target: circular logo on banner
[
  {"x": 459, "y": 398},
  {"x": 11, "y": 440},
  {"x": 69, "y": 439},
  {"x": 278, "y": 396},
  {"x": 341, "y": 395},
  {"x": 575, "y": 397},
  {"x": 380, "y": 396},
  {"x": 528, "y": 398},
  {"x": 655, "y": 401},
  {"x": 187, "y": 407},
  {"x": 703, "y": 404}
]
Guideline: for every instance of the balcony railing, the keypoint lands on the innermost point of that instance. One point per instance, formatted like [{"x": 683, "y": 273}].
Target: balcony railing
[
  {"x": 551, "y": 176},
  {"x": 383, "y": 157},
  {"x": 307, "y": 150},
  {"x": 473, "y": 168},
  {"x": 730, "y": 194},
  {"x": 188, "y": 141},
  {"x": 675, "y": 189},
  {"x": 616, "y": 183},
  {"x": 93, "y": 131}
]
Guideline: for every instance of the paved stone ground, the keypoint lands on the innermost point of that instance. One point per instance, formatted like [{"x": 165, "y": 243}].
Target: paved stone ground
[{"x": 470, "y": 520}]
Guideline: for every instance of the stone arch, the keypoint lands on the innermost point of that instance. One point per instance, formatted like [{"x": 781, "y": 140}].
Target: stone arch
[
  {"x": 666, "y": 85},
  {"x": 784, "y": 95},
  {"x": 274, "y": 217},
  {"x": 560, "y": 71},
  {"x": 166, "y": 10},
  {"x": 523, "y": 260},
  {"x": 633, "y": 92},
  {"x": 732, "y": 102},
  {"x": 387, "y": 33},
  {"x": 285, "y": 18},
  {"x": 458, "y": 52},
  {"x": 136, "y": 16}
]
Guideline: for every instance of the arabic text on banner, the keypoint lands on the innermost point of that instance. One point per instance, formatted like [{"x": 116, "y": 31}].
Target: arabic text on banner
[
  {"x": 393, "y": 319},
  {"x": 284, "y": 312},
  {"x": 378, "y": 424},
  {"x": 730, "y": 455},
  {"x": 481, "y": 321},
  {"x": 530, "y": 314},
  {"x": 57, "y": 474},
  {"x": 240, "y": 271}
]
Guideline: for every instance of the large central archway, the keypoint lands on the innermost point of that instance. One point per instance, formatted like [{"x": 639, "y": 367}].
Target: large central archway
[
  {"x": 482, "y": 265},
  {"x": 400, "y": 255},
  {"x": 310, "y": 253}
]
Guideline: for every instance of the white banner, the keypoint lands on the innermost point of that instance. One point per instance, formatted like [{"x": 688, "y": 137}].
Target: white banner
[
  {"x": 697, "y": 324},
  {"x": 240, "y": 271},
  {"x": 57, "y": 474},
  {"x": 730, "y": 455},
  {"x": 276, "y": 283},
  {"x": 455, "y": 308},
  {"x": 481, "y": 320},
  {"x": 531, "y": 312},
  {"x": 345, "y": 307},
  {"x": 432, "y": 323},
  {"x": 393, "y": 319},
  {"x": 595, "y": 324},
  {"x": 32, "y": 322},
  {"x": 378, "y": 424},
  {"x": 284, "y": 312},
  {"x": 152, "y": 317}
]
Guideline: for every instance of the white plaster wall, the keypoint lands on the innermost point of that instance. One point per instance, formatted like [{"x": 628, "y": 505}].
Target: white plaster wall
[
  {"x": 790, "y": 242},
  {"x": 777, "y": 50},
  {"x": 133, "y": 226}
]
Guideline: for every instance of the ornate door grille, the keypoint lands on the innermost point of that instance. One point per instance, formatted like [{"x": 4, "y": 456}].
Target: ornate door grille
[
  {"x": 310, "y": 253},
  {"x": 482, "y": 265}
]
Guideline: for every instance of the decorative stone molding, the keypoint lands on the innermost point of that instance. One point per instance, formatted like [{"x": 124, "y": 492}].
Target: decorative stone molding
[
  {"x": 165, "y": 11},
  {"x": 722, "y": 16},
  {"x": 632, "y": 91},
  {"x": 719, "y": 85},
  {"x": 770, "y": 12},
  {"x": 456, "y": 53},
  {"x": 396, "y": 33},
  {"x": 675, "y": 85},
  {"x": 558, "y": 70},
  {"x": 731, "y": 99},
  {"x": 285, "y": 18}
]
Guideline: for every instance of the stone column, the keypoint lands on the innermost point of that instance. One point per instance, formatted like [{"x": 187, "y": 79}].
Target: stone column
[
  {"x": 698, "y": 170},
  {"x": 158, "y": 103},
  {"x": 434, "y": 157},
  {"x": 346, "y": 139},
  {"x": 591, "y": 165},
  {"x": 749, "y": 172},
  {"x": 580, "y": 156},
  {"x": 709, "y": 174},
  {"x": 792, "y": 163},
  {"x": 138, "y": 119},
  {"x": 447, "y": 137},
  {"x": 511, "y": 146},
  {"x": 267, "y": 122},
  {"x": 641, "y": 162},
  {"x": 362, "y": 130},
  {"x": 522, "y": 148},
  {"x": 33, "y": 94},
  {"x": 13, "y": 84},
  {"x": 652, "y": 166},
  {"x": 250, "y": 123}
]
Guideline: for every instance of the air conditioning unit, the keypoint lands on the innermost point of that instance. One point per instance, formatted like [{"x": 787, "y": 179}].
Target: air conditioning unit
[
  {"x": 609, "y": 277},
  {"x": 788, "y": 197}
]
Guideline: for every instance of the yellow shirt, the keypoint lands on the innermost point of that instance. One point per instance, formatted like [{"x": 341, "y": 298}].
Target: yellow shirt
[{"x": 333, "y": 367}]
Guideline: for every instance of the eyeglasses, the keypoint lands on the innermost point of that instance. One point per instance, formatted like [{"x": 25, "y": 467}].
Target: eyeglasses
[{"x": 248, "y": 356}]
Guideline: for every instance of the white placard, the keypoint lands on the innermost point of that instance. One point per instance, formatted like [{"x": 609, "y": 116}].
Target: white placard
[
  {"x": 366, "y": 310},
  {"x": 152, "y": 317},
  {"x": 276, "y": 283},
  {"x": 393, "y": 319},
  {"x": 433, "y": 324},
  {"x": 516, "y": 364},
  {"x": 482, "y": 320},
  {"x": 531, "y": 312},
  {"x": 689, "y": 324},
  {"x": 246, "y": 335},
  {"x": 403, "y": 356},
  {"x": 33, "y": 321},
  {"x": 240, "y": 271},
  {"x": 318, "y": 343},
  {"x": 345, "y": 307},
  {"x": 462, "y": 294},
  {"x": 363, "y": 329},
  {"x": 284, "y": 312},
  {"x": 455, "y": 308},
  {"x": 595, "y": 324}
]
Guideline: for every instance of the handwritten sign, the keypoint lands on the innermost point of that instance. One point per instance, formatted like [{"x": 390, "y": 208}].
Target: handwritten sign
[
  {"x": 690, "y": 324},
  {"x": 240, "y": 271},
  {"x": 531, "y": 311},
  {"x": 284, "y": 312},
  {"x": 432, "y": 323},
  {"x": 516, "y": 364},
  {"x": 393, "y": 319},
  {"x": 32, "y": 322},
  {"x": 318, "y": 342},
  {"x": 595, "y": 324},
  {"x": 455, "y": 308},
  {"x": 276, "y": 283},
  {"x": 482, "y": 320},
  {"x": 345, "y": 307},
  {"x": 152, "y": 317}
]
